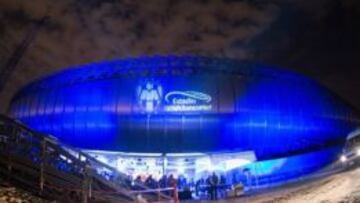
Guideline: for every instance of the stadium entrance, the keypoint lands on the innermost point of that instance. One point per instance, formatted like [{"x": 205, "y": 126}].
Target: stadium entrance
[{"x": 190, "y": 165}]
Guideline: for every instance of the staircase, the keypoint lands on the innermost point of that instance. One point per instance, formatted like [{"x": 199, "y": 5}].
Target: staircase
[{"x": 42, "y": 165}]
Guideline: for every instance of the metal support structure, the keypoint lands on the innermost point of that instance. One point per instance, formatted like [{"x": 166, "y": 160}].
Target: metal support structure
[
  {"x": 85, "y": 191},
  {"x": 90, "y": 187},
  {"x": 8, "y": 153},
  {"x": 42, "y": 164},
  {"x": 13, "y": 61},
  {"x": 164, "y": 163}
]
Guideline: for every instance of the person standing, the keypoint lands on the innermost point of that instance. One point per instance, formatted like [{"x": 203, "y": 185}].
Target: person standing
[
  {"x": 162, "y": 182},
  {"x": 222, "y": 186},
  {"x": 150, "y": 182},
  {"x": 208, "y": 186},
  {"x": 137, "y": 183},
  {"x": 172, "y": 183},
  {"x": 214, "y": 182},
  {"x": 199, "y": 185}
]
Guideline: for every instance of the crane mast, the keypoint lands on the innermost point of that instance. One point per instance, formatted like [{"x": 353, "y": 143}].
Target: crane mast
[{"x": 13, "y": 61}]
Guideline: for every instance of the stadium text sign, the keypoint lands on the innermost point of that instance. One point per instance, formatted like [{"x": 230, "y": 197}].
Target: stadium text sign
[
  {"x": 150, "y": 99},
  {"x": 187, "y": 101}
]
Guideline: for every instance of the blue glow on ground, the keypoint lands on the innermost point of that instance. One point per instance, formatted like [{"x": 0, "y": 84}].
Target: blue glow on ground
[{"x": 283, "y": 169}]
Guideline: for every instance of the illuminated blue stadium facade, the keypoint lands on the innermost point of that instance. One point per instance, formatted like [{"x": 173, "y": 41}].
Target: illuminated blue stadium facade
[{"x": 188, "y": 104}]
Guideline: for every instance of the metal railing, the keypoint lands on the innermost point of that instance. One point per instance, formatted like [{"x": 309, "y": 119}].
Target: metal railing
[{"x": 56, "y": 171}]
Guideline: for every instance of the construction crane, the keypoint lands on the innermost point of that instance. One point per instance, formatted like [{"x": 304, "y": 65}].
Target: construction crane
[{"x": 10, "y": 66}]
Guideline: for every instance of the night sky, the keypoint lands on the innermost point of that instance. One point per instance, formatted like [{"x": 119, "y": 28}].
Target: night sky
[{"x": 319, "y": 38}]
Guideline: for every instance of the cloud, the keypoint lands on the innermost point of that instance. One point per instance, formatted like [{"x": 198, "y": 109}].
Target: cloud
[{"x": 83, "y": 31}]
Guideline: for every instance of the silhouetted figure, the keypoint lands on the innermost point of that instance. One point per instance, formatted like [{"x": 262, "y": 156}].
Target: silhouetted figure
[
  {"x": 172, "y": 183},
  {"x": 182, "y": 182},
  {"x": 162, "y": 182},
  {"x": 214, "y": 181},
  {"x": 199, "y": 183},
  {"x": 137, "y": 183},
  {"x": 150, "y": 182},
  {"x": 208, "y": 186},
  {"x": 222, "y": 186},
  {"x": 234, "y": 179},
  {"x": 128, "y": 181}
]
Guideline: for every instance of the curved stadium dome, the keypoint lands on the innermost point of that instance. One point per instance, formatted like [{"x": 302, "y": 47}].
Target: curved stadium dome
[{"x": 187, "y": 104}]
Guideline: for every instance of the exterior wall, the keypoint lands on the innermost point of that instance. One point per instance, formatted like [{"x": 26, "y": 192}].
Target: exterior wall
[{"x": 209, "y": 105}]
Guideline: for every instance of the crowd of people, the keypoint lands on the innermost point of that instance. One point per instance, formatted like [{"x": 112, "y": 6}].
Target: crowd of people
[{"x": 212, "y": 187}]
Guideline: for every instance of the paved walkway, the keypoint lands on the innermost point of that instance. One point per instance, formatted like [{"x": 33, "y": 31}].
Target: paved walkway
[{"x": 342, "y": 187}]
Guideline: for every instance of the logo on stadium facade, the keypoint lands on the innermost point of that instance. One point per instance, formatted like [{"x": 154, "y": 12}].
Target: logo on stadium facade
[
  {"x": 149, "y": 95},
  {"x": 150, "y": 99}
]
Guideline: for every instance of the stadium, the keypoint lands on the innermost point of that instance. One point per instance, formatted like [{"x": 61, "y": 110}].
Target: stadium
[{"x": 190, "y": 116}]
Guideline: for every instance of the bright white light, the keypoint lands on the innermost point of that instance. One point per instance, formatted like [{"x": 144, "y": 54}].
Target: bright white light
[
  {"x": 358, "y": 152},
  {"x": 235, "y": 163},
  {"x": 343, "y": 158},
  {"x": 181, "y": 170},
  {"x": 103, "y": 159},
  {"x": 211, "y": 168}
]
